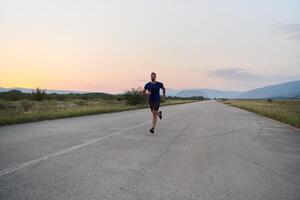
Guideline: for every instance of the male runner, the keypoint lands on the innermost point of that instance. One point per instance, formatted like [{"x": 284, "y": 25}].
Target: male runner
[{"x": 153, "y": 89}]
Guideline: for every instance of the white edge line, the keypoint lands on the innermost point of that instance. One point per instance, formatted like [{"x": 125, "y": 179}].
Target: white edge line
[{"x": 64, "y": 151}]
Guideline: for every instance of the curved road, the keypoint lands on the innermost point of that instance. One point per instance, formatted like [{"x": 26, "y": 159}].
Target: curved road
[{"x": 203, "y": 150}]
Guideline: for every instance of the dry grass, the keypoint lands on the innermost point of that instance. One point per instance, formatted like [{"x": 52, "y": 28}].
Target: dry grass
[
  {"x": 287, "y": 111},
  {"x": 13, "y": 112}
]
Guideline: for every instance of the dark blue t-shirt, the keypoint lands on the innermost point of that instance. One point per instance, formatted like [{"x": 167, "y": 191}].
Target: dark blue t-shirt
[{"x": 154, "y": 89}]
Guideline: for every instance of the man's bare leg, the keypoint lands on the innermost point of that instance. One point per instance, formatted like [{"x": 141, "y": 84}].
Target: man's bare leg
[{"x": 154, "y": 118}]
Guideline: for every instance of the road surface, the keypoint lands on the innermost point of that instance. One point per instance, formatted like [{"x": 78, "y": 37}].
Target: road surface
[{"x": 203, "y": 150}]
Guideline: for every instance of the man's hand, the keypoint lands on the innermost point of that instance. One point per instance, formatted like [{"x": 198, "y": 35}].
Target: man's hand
[{"x": 145, "y": 92}]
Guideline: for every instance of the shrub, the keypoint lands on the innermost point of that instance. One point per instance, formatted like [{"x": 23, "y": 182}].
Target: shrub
[
  {"x": 269, "y": 100},
  {"x": 133, "y": 97},
  {"x": 39, "y": 94}
]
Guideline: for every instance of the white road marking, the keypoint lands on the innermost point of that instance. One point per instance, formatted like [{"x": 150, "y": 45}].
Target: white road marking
[{"x": 64, "y": 151}]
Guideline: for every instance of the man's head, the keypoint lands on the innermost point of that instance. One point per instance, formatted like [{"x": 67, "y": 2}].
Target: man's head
[{"x": 153, "y": 76}]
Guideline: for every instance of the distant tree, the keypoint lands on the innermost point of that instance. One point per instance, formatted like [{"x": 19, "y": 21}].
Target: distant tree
[
  {"x": 269, "y": 100},
  {"x": 12, "y": 95},
  {"x": 133, "y": 97},
  {"x": 39, "y": 94},
  {"x": 200, "y": 98}
]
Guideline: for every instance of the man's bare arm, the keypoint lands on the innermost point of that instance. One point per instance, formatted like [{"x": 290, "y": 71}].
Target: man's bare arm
[
  {"x": 144, "y": 92},
  {"x": 164, "y": 91}
]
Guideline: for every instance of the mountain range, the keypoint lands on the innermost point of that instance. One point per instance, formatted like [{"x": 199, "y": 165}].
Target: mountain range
[
  {"x": 283, "y": 90},
  {"x": 208, "y": 93}
]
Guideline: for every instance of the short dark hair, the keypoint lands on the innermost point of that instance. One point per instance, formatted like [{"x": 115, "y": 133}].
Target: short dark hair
[{"x": 153, "y": 73}]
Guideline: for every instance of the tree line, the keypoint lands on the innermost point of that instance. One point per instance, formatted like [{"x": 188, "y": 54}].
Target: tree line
[{"x": 132, "y": 97}]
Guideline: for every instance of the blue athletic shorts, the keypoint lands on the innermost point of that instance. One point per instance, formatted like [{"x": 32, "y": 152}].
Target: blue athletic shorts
[{"x": 154, "y": 105}]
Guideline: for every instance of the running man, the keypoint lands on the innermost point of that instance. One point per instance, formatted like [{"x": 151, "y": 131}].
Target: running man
[{"x": 153, "y": 89}]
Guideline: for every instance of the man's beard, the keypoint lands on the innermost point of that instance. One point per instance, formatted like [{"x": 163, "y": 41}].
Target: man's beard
[{"x": 152, "y": 79}]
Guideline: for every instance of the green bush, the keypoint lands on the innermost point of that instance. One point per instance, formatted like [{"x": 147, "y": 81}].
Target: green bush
[
  {"x": 39, "y": 94},
  {"x": 133, "y": 97}
]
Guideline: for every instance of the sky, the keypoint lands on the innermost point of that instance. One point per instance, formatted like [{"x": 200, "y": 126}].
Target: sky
[{"x": 112, "y": 46}]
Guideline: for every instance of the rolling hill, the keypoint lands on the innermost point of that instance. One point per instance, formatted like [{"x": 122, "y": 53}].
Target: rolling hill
[{"x": 283, "y": 90}]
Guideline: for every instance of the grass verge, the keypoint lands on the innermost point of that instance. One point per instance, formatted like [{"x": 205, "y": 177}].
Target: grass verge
[
  {"x": 29, "y": 111},
  {"x": 286, "y": 111}
]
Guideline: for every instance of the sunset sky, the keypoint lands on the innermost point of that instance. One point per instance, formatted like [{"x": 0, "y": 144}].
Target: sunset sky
[{"x": 111, "y": 46}]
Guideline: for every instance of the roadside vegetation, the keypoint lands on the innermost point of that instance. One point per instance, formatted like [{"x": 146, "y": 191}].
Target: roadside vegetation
[
  {"x": 17, "y": 107},
  {"x": 287, "y": 111}
]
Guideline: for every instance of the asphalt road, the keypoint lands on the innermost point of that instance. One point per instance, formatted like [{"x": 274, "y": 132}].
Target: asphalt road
[{"x": 203, "y": 150}]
